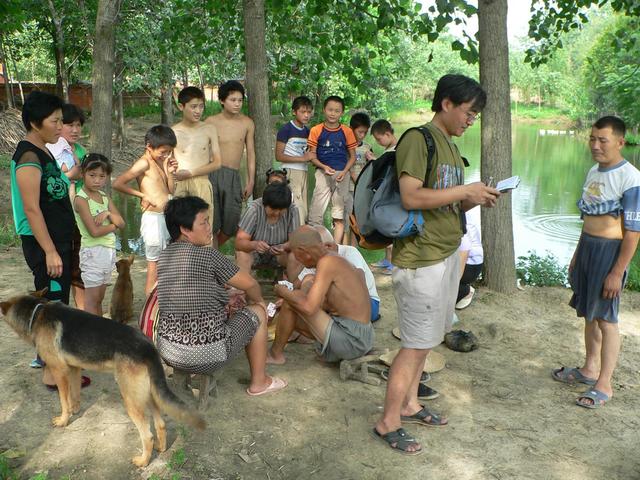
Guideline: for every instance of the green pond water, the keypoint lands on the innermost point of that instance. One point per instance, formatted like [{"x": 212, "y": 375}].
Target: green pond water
[{"x": 551, "y": 164}]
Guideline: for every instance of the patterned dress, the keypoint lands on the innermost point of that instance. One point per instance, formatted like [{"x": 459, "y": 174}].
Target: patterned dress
[{"x": 194, "y": 332}]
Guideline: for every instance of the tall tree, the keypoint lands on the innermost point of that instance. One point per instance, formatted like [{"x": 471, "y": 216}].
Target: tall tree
[
  {"x": 257, "y": 79},
  {"x": 102, "y": 78},
  {"x": 497, "y": 224},
  {"x": 62, "y": 79}
]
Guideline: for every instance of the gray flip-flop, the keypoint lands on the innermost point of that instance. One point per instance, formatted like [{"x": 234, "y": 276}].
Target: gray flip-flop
[
  {"x": 571, "y": 376},
  {"x": 599, "y": 398}
]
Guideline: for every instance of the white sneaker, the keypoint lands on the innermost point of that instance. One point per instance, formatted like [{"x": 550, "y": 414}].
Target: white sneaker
[{"x": 466, "y": 301}]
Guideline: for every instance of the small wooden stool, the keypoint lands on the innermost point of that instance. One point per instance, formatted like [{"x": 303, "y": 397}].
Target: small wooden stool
[{"x": 207, "y": 386}]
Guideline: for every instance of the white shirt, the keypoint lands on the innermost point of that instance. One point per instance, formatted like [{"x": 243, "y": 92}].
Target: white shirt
[{"x": 472, "y": 240}]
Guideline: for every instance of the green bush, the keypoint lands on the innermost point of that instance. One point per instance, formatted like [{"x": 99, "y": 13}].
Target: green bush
[
  {"x": 633, "y": 274},
  {"x": 632, "y": 139},
  {"x": 539, "y": 271}
]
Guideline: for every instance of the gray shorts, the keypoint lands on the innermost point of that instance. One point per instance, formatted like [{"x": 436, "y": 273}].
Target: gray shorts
[
  {"x": 426, "y": 299},
  {"x": 595, "y": 257},
  {"x": 346, "y": 339},
  {"x": 227, "y": 200}
]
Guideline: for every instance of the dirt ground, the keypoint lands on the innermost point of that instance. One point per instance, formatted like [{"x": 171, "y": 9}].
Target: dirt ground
[{"x": 508, "y": 418}]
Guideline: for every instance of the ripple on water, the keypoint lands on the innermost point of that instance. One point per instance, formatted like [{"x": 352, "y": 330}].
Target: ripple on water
[{"x": 555, "y": 225}]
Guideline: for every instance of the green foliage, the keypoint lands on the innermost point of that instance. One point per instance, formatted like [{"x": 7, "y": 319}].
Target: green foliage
[
  {"x": 632, "y": 139},
  {"x": 536, "y": 112},
  {"x": 5, "y": 162},
  {"x": 633, "y": 274},
  {"x": 8, "y": 236},
  {"x": 540, "y": 271},
  {"x": 6, "y": 472},
  {"x": 178, "y": 459}
]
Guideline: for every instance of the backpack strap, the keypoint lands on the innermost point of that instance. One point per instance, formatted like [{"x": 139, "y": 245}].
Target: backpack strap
[{"x": 431, "y": 148}]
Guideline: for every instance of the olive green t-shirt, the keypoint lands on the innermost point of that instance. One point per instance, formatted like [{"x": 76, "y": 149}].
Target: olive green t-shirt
[{"x": 442, "y": 231}]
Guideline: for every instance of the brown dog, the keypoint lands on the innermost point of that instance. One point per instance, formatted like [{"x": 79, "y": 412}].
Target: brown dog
[
  {"x": 122, "y": 295},
  {"x": 69, "y": 340}
]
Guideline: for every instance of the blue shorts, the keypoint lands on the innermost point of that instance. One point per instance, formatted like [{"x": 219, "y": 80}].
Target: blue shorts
[
  {"x": 375, "y": 310},
  {"x": 595, "y": 257}
]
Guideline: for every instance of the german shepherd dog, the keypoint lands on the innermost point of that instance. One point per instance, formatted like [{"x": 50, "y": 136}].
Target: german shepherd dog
[
  {"x": 69, "y": 340},
  {"x": 122, "y": 295}
]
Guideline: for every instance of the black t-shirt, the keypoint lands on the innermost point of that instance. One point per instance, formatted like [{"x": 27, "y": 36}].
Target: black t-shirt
[{"x": 54, "y": 191}]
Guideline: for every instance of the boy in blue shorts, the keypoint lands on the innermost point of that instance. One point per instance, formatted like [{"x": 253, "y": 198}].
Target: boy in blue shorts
[
  {"x": 291, "y": 151},
  {"x": 332, "y": 149},
  {"x": 610, "y": 208}
]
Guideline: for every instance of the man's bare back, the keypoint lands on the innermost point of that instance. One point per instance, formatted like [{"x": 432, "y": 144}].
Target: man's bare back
[
  {"x": 235, "y": 132},
  {"x": 347, "y": 295}
]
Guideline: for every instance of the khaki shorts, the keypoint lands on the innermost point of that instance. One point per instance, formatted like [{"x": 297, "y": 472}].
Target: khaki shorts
[
  {"x": 426, "y": 299},
  {"x": 197, "y": 187},
  {"x": 97, "y": 264},
  {"x": 298, "y": 186},
  {"x": 328, "y": 190}
]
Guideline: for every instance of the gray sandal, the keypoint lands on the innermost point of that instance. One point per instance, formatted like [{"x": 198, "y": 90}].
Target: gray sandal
[
  {"x": 398, "y": 441},
  {"x": 571, "y": 376}
]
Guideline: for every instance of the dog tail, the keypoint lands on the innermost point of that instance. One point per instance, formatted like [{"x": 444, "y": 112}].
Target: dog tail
[{"x": 167, "y": 400}]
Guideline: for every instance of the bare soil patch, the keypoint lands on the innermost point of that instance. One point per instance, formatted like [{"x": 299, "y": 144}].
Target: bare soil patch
[{"x": 508, "y": 418}]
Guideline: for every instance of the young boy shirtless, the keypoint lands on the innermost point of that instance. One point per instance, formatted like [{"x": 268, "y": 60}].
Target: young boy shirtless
[
  {"x": 197, "y": 152},
  {"x": 235, "y": 133},
  {"x": 154, "y": 173}
]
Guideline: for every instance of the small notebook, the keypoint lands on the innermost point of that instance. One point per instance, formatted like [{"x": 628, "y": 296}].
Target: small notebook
[{"x": 508, "y": 184}]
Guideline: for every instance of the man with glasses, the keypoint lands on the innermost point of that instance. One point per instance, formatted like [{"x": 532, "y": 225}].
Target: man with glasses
[{"x": 425, "y": 280}]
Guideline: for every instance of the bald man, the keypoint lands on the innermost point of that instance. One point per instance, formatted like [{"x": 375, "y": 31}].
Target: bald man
[
  {"x": 334, "y": 307},
  {"x": 355, "y": 258}
]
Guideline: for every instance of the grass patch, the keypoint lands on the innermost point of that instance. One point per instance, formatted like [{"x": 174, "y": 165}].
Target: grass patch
[
  {"x": 8, "y": 235},
  {"x": 5, "y": 163},
  {"x": 535, "y": 112},
  {"x": 633, "y": 274}
]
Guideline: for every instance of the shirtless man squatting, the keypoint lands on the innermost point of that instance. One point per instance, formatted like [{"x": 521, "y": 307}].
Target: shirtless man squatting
[{"x": 333, "y": 307}]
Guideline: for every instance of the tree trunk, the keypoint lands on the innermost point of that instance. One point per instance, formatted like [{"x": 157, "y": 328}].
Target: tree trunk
[
  {"x": 5, "y": 72},
  {"x": 62, "y": 79},
  {"x": 121, "y": 133},
  {"x": 497, "y": 225},
  {"x": 166, "y": 99},
  {"x": 102, "y": 77},
  {"x": 257, "y": 79},
  {"x": 16, "y": 77},
  {"x": 200, "y": 77}
]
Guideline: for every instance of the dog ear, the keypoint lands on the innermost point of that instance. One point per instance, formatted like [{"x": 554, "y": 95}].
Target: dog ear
[
  {"x": 119, "y": 265},
  {"x": 132, "y": 257},
  {"x": 39, "y": 293}
]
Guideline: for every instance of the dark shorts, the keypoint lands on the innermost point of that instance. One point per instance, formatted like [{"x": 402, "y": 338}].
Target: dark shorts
[
  {"x": 36, "y": 261},
  {"x": 346, "y": 339},
  {"x": 76, "y": 273},
  {"x": 227, "y": 200},
  {"x": 595, "y": 258}
]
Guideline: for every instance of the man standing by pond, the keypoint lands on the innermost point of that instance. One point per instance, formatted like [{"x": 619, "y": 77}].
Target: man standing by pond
[
  {"x": 425, "y": 280},
  {"x": 610, "y": 208}
]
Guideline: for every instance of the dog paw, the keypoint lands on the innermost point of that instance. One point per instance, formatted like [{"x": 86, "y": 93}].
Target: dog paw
[
  {"x": 140, "y": 461},
  {"x": 159, "y": 445},
  {"x": 75, "y": 408},
  {"x": 60, "y": 421}
]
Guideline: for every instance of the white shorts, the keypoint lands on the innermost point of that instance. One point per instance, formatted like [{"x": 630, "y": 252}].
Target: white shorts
[
  {"x": 97, "y": 264},
  {"x": 154, "y": 232},
  {"x": 426, "y": 299}
]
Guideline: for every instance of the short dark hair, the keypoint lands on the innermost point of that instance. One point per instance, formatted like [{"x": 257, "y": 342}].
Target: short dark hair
[
  {"x": 381, "y": 127},
  {"x": 459, "y": 89},
  {"x": 189, "y": 93},
  {"x": 276, "y": 195},
  {"x": 616, "y": 124},
  {"x": 96, "y": 160},
  {"x": 278, "y": 172},
  {"x": 38, "y": 106},
  {"x": 160, "y": 135},
  {"x": 333, "y": 98},
  {"x": 360, "y": 119},
  {"x": 227, "y": 87},
  {"x": 301, "y": 101},
  {"x": 181, "y": 212},
  {"x": 72, "y": 113}
]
